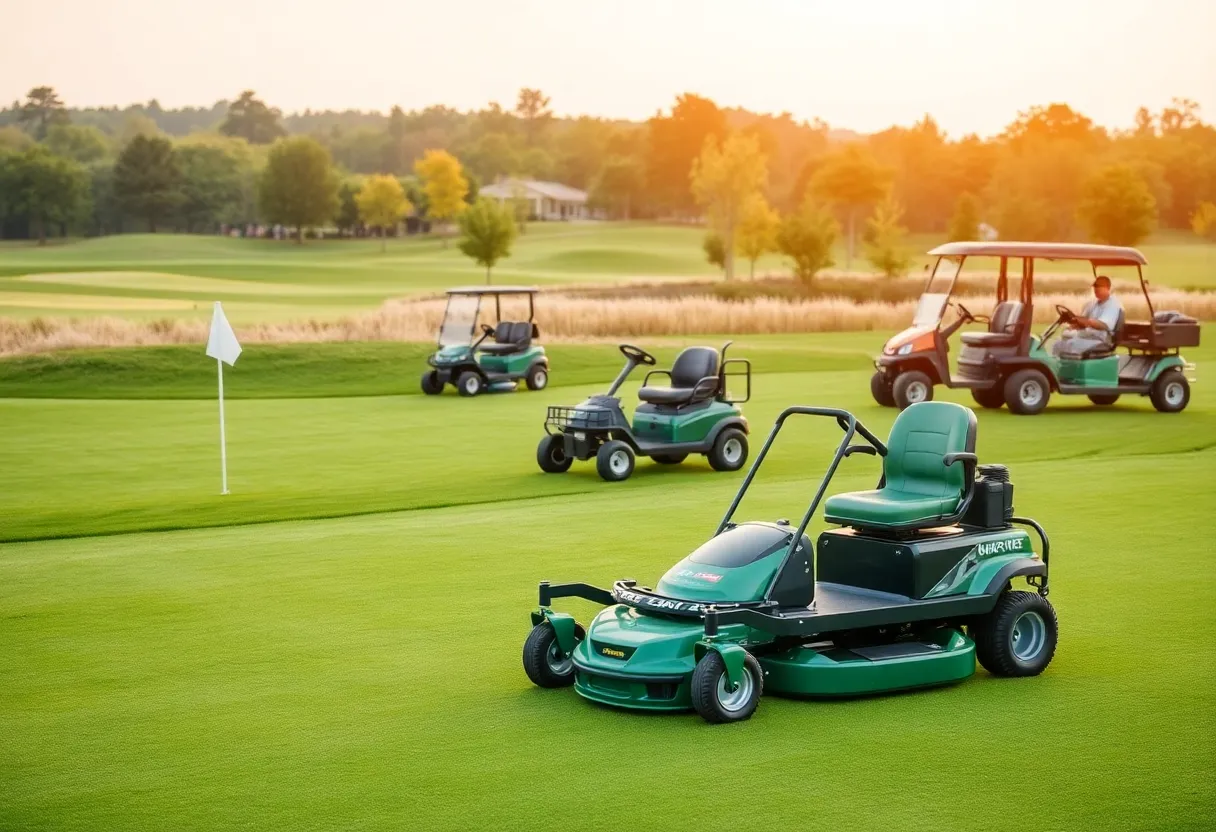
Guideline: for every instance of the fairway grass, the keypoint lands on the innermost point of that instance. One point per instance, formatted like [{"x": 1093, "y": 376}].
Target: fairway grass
[{"x": 336, "y": 644}]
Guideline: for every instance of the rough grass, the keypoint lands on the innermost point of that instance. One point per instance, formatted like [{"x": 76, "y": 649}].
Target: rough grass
[{"x": 363, "y": 673}]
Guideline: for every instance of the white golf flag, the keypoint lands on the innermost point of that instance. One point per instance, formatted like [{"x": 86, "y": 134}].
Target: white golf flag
[{"x": 222, "y": 343}]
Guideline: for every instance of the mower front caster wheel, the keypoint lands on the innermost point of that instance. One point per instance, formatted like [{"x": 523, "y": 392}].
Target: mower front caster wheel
[
  {"x": 551, "y": 455},
  {"x": 431, "y": 385},
  {"x": 729, "y": 451},
  {"x": 716, "y": 699},
  {"x": 469, "y": 383},
  {"x": 544, "y": 661},
  {"x": 614, "y": 461},
  {"x": 1018, "y": 638}
]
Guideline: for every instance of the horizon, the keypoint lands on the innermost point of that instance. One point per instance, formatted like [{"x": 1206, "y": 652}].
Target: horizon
[{"x": 600, "y": 62}]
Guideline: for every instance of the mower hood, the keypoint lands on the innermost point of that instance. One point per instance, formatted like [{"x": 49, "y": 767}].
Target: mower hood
[{"x": 736, "y": 566}]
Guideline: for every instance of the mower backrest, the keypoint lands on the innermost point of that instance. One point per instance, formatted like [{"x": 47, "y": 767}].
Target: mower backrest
[
  {"x": 920, "y": 439},
  {"x": 692, "y": 365},
  {"x": 1006, "y": 317}
]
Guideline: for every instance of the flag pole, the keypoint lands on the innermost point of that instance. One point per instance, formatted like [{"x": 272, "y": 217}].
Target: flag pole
[{"x": 223, "y": 441}]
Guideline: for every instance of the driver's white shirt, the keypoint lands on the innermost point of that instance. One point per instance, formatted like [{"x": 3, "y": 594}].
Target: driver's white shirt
[{"x": 1107, "y": 311}]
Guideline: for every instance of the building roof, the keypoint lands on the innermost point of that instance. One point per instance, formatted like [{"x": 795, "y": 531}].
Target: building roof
[
  {"x": 509, "y": 188},
  {"x": 1098, "y": 255}
]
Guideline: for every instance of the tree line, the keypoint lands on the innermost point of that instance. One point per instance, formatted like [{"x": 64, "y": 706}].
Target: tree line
[{"x": 1051, "y": 174}]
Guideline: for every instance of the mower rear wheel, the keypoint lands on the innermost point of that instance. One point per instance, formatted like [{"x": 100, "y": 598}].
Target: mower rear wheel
[
  {"x": 669, "y": 459},
  {"x": 1018, "y": 638},
  {"x": 912, "y": 387},
  {"x": 431, "y": 385},
  {"x": 729, "y": 452},
  {"x": 1103, "y": 399},
  {"x": 1171, "y": 392},
  {"x": 1027, "y": 392},
  {"x": 880, "y": 389},
  {"x": 469, "y": 383},
  {"x": 992, "y": 398},
  {"x": 551, "y": 455},
  {"x": 713, "y": 696},
  {"x": 544, "y": 662},
  {"x": 537, "y": 378},
  {"x": 614, "y": 460}
]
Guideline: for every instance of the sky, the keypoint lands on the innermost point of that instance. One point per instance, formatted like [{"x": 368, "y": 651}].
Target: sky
[{"x": 857, "y": 64}]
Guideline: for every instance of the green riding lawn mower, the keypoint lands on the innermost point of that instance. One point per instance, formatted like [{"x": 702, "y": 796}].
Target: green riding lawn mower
[
  {"x": 475, "y": 365},
  {"x": 910, "y": 588},
  {"x": 694, "y": 415},
  {"x": 1007, "y": 364}
]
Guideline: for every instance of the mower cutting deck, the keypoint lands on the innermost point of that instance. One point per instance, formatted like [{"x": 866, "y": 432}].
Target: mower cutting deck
[{"x": 912, "y": 587}]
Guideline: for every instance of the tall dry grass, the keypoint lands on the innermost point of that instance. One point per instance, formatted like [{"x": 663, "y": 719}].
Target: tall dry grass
[{"x": 561, "y": 317}]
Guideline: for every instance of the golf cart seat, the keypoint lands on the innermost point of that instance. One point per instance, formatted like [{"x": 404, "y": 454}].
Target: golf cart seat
[
  {"x": 928, "y": 473},
  {"x": 694, "y": 378},
  {"x": 510, "y": 337},
  {"x": 1003, "y": 327}
]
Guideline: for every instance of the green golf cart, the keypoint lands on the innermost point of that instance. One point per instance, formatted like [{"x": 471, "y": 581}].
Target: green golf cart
[
  {"x": 911, "y": 586},
  {"x": 694, "y": 415},
  {"x": 1007, "y": 363},
  {"x": 498, "y": 359}
]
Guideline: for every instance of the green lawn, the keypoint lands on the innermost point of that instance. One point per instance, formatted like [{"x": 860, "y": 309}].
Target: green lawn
[
  {"x": 363, "y": 672},
  {"x": 141, "y": 275}
]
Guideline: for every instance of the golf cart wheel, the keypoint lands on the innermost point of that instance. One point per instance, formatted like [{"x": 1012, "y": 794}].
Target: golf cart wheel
[
  {"x": 712, "y": 696},
  {"x": 469, "y": 383},
  {"x": 1171, "y": 392},
  {"x": 543, "y": 659},
  {"x": 551, "y": 455},
  {"x": 431, "y": 385},
  {"x": 1027, "y": 392},
  {"x": 729, "y": 451},
  {"x": 669, "y": 459},
  {"x": 912, "y": 387},
  {"x": 537, "y": 378},
  {"x": 1103, "y": 398},
  {"x": 1018, "y": 638},
  {"x": 880, "y": 389},
  {"x": 992, "y": 398},
  {"x": 614, "y": 461}
]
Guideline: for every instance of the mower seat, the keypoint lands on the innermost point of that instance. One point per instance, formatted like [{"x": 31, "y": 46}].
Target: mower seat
[
  {"x": 509, "y": 337},
  {"x": 1003, "y": 327},
  {"x": 920, "y": 488},
  {"x": 694, "y": 378}
]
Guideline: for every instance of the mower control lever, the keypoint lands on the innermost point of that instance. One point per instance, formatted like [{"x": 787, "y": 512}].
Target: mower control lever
[{"x": 861, "y": 449}]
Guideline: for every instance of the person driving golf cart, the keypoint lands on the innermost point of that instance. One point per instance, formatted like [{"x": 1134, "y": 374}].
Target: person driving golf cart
[{"x": 1096, "y": 325}]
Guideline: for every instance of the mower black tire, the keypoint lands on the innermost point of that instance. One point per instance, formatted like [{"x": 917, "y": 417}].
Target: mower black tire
[
  {"x": 880, "y": 389},
  {"x": 1018, "y": 638},
  {"x": 1103, "y": 399},
  {"x": 470, "y": 383},
  {"x": 551, "y": 455},
  {"x": 711, "y": 694},
  {"x": 910, "y": 387},
  {"x": 614, "y": 460},
  {"x": 669, "y": 459},
  {"x": 537, "y": 378},
  {"x": 993, "y": 398},
  {"x": 1171, "y": 391},
  {"x": 729, "y": 452},
  {"x": 1027, "y": 391},
  {"x": 431, "y": 385},
  {"x": 543, "y": 660}
]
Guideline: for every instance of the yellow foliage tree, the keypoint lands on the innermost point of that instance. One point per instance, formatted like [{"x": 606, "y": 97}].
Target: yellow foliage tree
[
  {"x": 382, "y": 203},
  {"x": 723, "y": 179},
  {"x": 444, "y": 184},
  {"x": 758, "y": 224},
  {"x": 1203, "y": 221}
]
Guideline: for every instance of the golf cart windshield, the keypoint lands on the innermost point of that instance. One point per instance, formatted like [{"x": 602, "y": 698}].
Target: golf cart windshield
[
  {"x": 929, "y": 310},
  {"x": 459, "y": 320}
]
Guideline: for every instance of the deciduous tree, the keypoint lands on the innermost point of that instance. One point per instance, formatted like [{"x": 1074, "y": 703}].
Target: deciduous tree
[
  {"x": 147, "y": 179},
  {"x": 619, "y": 186},
  {"x": 852, "y": 181},
  {"x": 886, "y": 239},
  {"x": 79, "y": 143},
  {"x": 965, "y": 223},
  {"x": 723, "y": 179},
  {"x": 298, "y": 188},
  {"x": 673, "y": 143},
  {"x": 445, "y": 185},
  {"x": 487, "y": 230},
  {"x": 715, "y": 249},
  {"x": 1203, "y": 221},
  {"x": 806, "y": 236},
  {"x": 210, "y": 186},
  {"x": 533, "y": 107},
  {"x": 250, "y": 118},
  {"x": 44, "y": 188},
  {"x": 758, "y": 224},
  {"x": 382, "y": 204},
  {"x": 1117, "y": 207}
]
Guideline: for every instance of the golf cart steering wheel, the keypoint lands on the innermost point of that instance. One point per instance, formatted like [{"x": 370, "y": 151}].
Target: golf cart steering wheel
[
  {"x": 487, "y": 329},
  {"x": 1065, "y": 313},
  {"x": 965, "y": 312},
  {"x": 639, "y": 355}
]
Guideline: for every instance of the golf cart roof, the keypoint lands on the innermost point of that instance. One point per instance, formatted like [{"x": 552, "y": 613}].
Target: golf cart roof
[
  {"x": 493, "y": 290},
  {"x": 1098, "y": 255}
]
